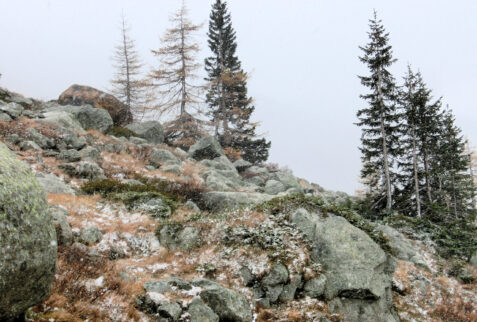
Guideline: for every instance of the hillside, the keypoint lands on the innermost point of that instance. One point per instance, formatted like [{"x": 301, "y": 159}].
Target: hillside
[{"x": 149, "y": 232}]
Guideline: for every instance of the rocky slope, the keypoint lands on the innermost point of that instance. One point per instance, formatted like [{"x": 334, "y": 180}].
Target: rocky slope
[{"x": 147, "y": 232}]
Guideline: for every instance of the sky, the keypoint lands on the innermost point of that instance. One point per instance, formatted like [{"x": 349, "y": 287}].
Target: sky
[{"x": 301, "y": 55}]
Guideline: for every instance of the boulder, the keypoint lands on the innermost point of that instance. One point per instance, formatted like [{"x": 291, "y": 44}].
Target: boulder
[
  {"x": 159, "y": 157},
  {"x": 278, "y": 275},
  {"x": 13, "y": 110},
  {"x": 4, "y": 117},
  {"x": 90, "y": 154},
  {"x": 358, "y": 272},
  {"x": 289, "y": 290},
  {"x": 27, "y": 239},
  {"x": 53, "y": 184},
  {"x": 92, "y": 118},
  {"x": 69, "y": 140},
  {"x": 11, "y": 97},
  {"x": 90, "y": 235},
  {"x": 219, "y": 201},
  {"x": 71, "y": 155},
  {"x": 402, "y": 247},
  {"x": 64, "y": 234},
  {"x": 78, "y": 95},
  {"x": 40, "y": 139},
  {"x": 242, "y": 165},
  {"x": 287, "y": 179},
  {"x": 176, "y": 236},
  {"x": 200, "y": 312},
  {"x": 29, "y": 145},
  {"x": 170, "y": 310},
  {"x": 227, "y": 304},
  {"x": 315, "y": 287},
  {"x": 206, "y": 148},
  {"x": 61, "y": 119},
  {"x": 172, "y": 168},
  {"x": 152, "y": 131}
]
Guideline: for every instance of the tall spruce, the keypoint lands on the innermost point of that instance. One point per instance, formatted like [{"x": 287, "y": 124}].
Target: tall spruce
[
  {"x": 421, "y": 132},
  {"x": 380, "y": 119},
  {"x": 128, "y": 85},
  {"x": 176, "y": 81},
  {"x": 230, "y": 107}
]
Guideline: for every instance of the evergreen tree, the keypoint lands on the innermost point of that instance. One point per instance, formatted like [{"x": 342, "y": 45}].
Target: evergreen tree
[
  {"x": 127, "y": 84},
  {"x": 176, "y": 81},
  {"x": 419, "y": 141},
  {"x": 380, "y": 120},
  {"x": 230, "y": 107}
]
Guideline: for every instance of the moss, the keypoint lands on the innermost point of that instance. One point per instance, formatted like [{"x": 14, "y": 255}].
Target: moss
[
  {"x": 119, "y": 131},
  {"x": 289, "y": 204}
]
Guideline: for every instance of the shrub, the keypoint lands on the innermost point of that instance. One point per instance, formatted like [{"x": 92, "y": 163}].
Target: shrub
[{"x": 119, "y": 131}]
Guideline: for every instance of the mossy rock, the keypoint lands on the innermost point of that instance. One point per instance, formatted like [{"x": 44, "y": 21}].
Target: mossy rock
[{"x": 27, "y": 239}]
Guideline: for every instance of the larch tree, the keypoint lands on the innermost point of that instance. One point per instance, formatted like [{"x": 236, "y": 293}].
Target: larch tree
[
  {"x": 380, "y": 120},
  {"x": 230, "y": 107},
  {"x": 176, "y": 81},
  {"x": 127, "y": 84}
]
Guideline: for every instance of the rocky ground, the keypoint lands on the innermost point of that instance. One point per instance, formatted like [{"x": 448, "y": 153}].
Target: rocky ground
[{"x": 148, "y": 232}]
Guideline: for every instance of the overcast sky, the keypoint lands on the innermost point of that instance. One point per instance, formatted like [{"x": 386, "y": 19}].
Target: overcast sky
[{"x": 302, "y": 56}]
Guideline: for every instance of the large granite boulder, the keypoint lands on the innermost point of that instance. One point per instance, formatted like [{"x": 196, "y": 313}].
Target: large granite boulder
[
  {"x": 358, "y": 272},
  {"x": 14, "y": 110},
  {"x": 27, "y": 239},
  {"x": 152, "y": 131},
  {"x": 92, "y": 118},
  {"x": 176, "y": 236},
  {"x": 206, "y": 148},
  {"x": 83, "y": 95},
  {"x": 159, "y": 157}
]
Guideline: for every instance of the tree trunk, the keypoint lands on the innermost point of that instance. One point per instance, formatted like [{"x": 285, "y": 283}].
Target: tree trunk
[
  {"x": 384, "y": 147},
  {"x": 427, "y": 175},
  {"x": 126, "y": 60},
  {"x": 416, "y": 178},
  {"x": 183, "y": 73}
]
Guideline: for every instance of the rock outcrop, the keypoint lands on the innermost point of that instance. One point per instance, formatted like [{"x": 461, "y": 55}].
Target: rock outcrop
[
  {"x": 27, "y": 239},
  {"x": 83, "y": 95},
  {"x": 152, "y": 131},
  {"x": 358, "y": 272}
]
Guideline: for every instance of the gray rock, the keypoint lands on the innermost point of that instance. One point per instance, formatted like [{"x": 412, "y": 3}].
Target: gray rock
[
  {"x": 258, "y": 171},
  {"x": 402, "y": 248},
  {"x": 14, "y": 110},
  {"x": 191, "y": 206},
  {"x": 155, "y": 207},
  {"x": 356, "y": 310},
  {"x": 242, "y": 165},
  {"x": 247, "y": 276},
  {"x": 64, "y": 234},
  {"x": 29, "y": 145},
  {"x": 200, "y": 312},
  {"x": 219, "y": 201},
  {"x": 159, "y": 157},
  {"x": 28, "y": 245},
  {"x": 227, "y": 304},
  {"x": 4, "y": 117},
  {"x": 53, "y": 185},
  {"x": 71, "y": 155},
  {"x": 15, "y": 98},
  {"x": 172, "y": 168},
  {"x": 152, "y": 131},
  {"x": 273, "y": 292},
  {"x": 170, "y": 310},
  {"x": 315, "y": 287},
  {"x": 179, "y": 283},
  {"x": 205, "y": 283},
  {"x": 356, "y": 268},
  {"x": 288, "y": 180},
  {"x": 263, "y": 303},
  {"x": 40, "y": 139},
  {"x": 220, "y": 163},
  {"x": 278, "y": 275},
  {"x": 90, "y": 235},
  {"x": 206, "y": 148},
  {"x": 473, "y": 260},
  {"x": 289, "y": 290},
  {"x": 90, "y": 154},
  {"x": 13, "y": 139},
  {"x": 157, "y": 286},
  {"x": 92, "y": 118},
  {"x": 84, "y": 169},
  {"x": 137, "y": 141},
  {"x": 273, "y": 187},
  {"x": 71, "y": 141},
  {"x": 61, "y": 119},
  {"x": 175, "y": 236}
]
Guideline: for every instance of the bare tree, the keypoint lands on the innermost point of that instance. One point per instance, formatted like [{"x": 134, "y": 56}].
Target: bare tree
[
  {"x": 175, "y": 80},
  {"x": 128, "y": 85}
]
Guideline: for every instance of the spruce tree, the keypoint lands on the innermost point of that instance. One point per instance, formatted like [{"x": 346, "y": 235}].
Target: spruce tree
[
  {"x": 380, "y": 119},
  {"x": 230, "y": 107}
]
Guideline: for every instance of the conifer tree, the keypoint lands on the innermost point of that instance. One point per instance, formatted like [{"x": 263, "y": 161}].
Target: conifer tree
[
  {"x": 127, "y": 84},
  {"x": 380, "y": 119},
  {"x": 176, "y": 81},
  {"x": 419, "y": 140},
  {"x": 230, "y": 107}
]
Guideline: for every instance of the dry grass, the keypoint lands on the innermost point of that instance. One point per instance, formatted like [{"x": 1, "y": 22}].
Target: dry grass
[
  {"x": 454, "y": 308},
  {"x": 21, "y": 126}
]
